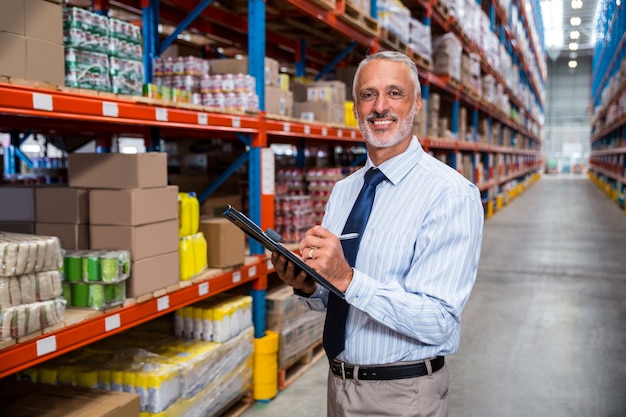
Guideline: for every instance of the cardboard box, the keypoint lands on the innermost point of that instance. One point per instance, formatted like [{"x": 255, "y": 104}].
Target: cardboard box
[
  {"x": 282, "y": 306},
  {"x": 17, "y": 227},
  {"x": 142, "y": 241},
  {"x": 62, "y": 205},
  {"x": 12, "y": 18},
  {"x": 72, "y": 236},
  {"x": 117, "y": 171},
  {"x": 322, "y": 111},
  {"x": 240, "y": 66},
  {"x": 216, "y": 204},
  {"x": 13, "y": 56},
  {"x": 133, "y": 207},
  {"x": 226, "y": 244},
  {"x": 152, "y": 274},
  {"x": 278, "y": 101},
  {"x": 334, "y": 91},
  {"x": 44, "y": 21},
  {"x": 22, "y": 204},
  {"x": 45, "y": 61},
  {"x": 27, "y": 399}
]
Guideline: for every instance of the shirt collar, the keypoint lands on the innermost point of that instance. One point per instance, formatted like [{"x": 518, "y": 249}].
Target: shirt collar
[{"x": 397, "y": 167}]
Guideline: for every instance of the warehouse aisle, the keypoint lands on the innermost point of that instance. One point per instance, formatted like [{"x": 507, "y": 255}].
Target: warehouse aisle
[{"x": 544, "y": 333}]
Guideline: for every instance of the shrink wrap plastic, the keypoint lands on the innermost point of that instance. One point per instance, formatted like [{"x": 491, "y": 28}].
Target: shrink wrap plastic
[
  {"x": 24, "y": 254},
  {"x": 20, "y": 320}
]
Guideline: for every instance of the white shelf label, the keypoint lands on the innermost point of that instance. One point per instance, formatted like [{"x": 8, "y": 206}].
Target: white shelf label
[
  {"x": 324, "y": 131},
  {"x": 203, "y": 289},
  {"x": 110, "y": 109},
  {"x": 42, "y": 101},
  {"x": 286, "y": 127},
  {"x": 203, "y": 119},
  {"x": 47, "y": 345},
  {"x": 161, "y": 114},
  {"x": 252, "y": 272},
  {"x": 340, "y": 133},
  {"x": 307, "y": 129},
  {"x": 236, "y": 277},
  {"x": 353, "y": 134},
  {"x": 270, "y": 265},
  {"x": 163, "y": 303},
  {"x": 236, "y": 122},
  {"x": 112, "y": 322}
]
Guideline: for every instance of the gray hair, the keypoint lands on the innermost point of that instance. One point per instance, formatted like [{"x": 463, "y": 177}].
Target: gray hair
[{"x": 390, "y": 56}]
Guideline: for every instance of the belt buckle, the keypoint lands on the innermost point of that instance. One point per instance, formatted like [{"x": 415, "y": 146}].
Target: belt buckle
[{"x": 343, "y": 371}]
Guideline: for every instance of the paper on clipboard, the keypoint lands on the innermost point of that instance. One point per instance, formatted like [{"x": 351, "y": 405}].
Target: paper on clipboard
[{"x": 270, "y": 242}]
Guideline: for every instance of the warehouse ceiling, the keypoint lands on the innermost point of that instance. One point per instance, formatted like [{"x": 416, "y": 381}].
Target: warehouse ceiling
[{"x": 569, "y": 27}]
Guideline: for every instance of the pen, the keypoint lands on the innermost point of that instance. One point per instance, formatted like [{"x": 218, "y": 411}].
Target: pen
[{"x": 348, "y": 236}]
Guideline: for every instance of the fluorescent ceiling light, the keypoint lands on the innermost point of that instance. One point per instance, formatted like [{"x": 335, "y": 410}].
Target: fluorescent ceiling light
[
  {"x": 573, "y": 46},
  {"x": 575, "y": 21},
  {"x": 573, "y": 55},
  {"x": 572, "y": 64},
  {"x": 552, "y": 15},
  {"x": 577, "y": 4},
  {"x": 574, "y": 34}
]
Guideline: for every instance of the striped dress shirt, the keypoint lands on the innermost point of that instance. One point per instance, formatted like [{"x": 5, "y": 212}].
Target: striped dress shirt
[{"x": 417, "y": 260}]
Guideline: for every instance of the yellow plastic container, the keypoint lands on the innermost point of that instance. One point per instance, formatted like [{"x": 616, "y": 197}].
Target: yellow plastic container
[
  {"x": 200, "y": 252},
  {"x": 187, "y": 262},
  {"x": 188, "y": 214}
]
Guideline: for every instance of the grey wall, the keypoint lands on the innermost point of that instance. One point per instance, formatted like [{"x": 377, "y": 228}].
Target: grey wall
[{"x": 567, "y": 116}]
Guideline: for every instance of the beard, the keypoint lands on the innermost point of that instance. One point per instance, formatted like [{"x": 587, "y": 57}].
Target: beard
[{"x": 403, "y": 130}]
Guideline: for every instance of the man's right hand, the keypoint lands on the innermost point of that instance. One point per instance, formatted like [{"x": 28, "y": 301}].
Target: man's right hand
[{"x": 286, "y": 272}]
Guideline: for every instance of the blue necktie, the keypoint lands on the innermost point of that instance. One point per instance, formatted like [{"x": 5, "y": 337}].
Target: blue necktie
[{"x": 337, "y": 313}]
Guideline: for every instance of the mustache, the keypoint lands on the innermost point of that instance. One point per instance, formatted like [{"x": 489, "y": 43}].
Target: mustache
[{"x": 376, "y": 115}]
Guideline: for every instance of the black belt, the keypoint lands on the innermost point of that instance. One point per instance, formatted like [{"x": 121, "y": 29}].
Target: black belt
[{"x": 385, "y": 373}]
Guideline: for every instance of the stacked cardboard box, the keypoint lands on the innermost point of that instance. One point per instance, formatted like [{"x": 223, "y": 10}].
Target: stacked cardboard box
[
  {"x": 132, "y": 208},
  {"x": 19, "y": 216},
  {"x": 434, "y": 102},
  {"x": 29, "y": 399},
  {"x": 320, "y": 101},
  {"x": 299, "y": 328},
  {"x": 63, "y": 212},
  {"x": 31, "y": 35},
  {"x": 226, "y": 244}
]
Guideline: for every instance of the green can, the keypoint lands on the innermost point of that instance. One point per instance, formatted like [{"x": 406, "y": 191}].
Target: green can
[
  {"x": 80, "y": 295},
  {"x": 96, "y": 296},
  {"x": 72, "y": 265},
  {"x": 67, "y": 291},
  {"x": 91, "y": 267},
  {"x": 109, "y": 267}
]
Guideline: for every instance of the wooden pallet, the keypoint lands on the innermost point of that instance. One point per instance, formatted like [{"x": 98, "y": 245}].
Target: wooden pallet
[
  {"x": 442, "y": 9},
  {"x": 355, "y": 18},
  {"x": 422, "y": 62},
  {"x": 299, "y": 365},
  {"x": 471, "y": 94},
  {"x": 237, "y": 407},
  {"x": 392, "y": 41},
  {"x": 325, "y": 4}
]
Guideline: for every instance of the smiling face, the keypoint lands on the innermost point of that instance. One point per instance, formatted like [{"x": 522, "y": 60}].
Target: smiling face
[{"x": 385, "y": 104}]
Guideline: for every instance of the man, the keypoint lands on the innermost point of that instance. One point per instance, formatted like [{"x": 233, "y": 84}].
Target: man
[{"x": 416, "y": 258}]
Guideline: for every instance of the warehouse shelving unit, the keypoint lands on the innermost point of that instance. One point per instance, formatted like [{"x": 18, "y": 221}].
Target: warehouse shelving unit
[
  {"x": 65, "y": 111},
  {"x": 608, "y": 101},
  {"x": 91, "y": 326}
]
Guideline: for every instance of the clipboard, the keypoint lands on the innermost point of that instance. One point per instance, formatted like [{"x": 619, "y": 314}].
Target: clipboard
[{"x": 270, "y": 240}]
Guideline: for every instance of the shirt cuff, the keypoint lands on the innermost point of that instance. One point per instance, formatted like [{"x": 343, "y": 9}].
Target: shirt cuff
[{"x": 360, "y": 290}]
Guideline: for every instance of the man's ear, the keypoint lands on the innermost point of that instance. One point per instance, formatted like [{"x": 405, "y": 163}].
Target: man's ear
[{"x": 418, "y": 104}]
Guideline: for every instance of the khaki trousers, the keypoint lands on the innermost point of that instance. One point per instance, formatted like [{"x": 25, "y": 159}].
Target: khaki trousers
[{"x": 425, "y": 396}]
